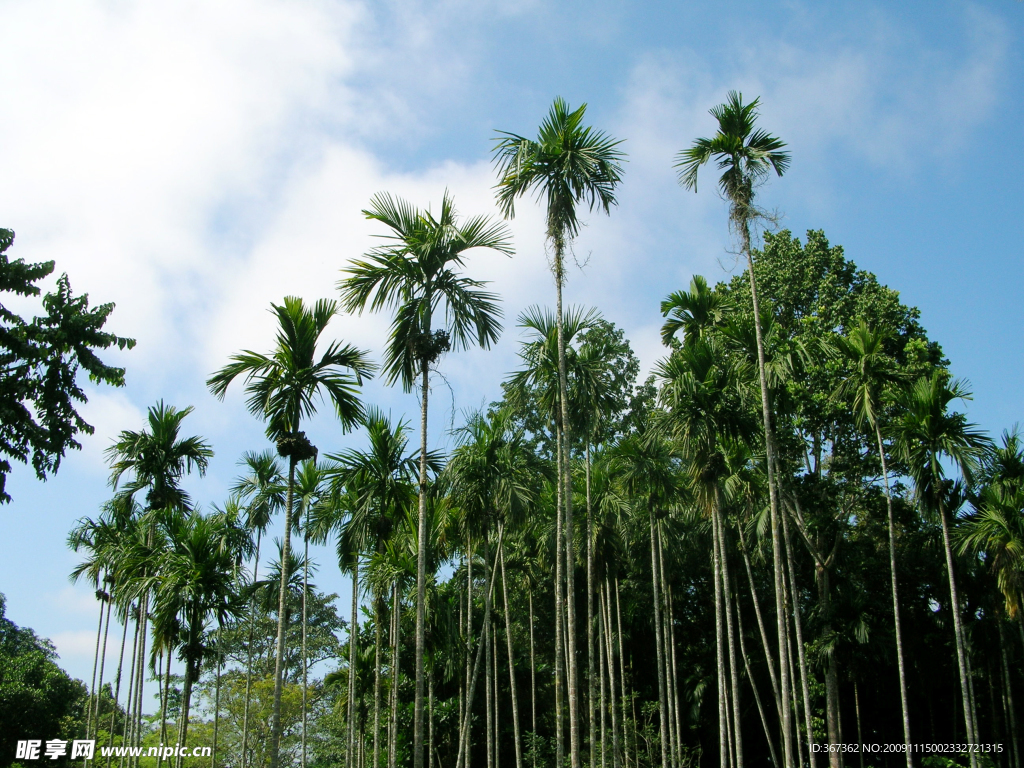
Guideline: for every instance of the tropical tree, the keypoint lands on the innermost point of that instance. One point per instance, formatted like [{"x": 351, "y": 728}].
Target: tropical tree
[
  {"x": 283, "y": 389},
  {"x": 567, "y": 164},
  {"x": 416, "y": 274},
  {"x": 871, "y": 370},
  {"x": 747, "y": 156},
  {"x": 927, "y": 434}
]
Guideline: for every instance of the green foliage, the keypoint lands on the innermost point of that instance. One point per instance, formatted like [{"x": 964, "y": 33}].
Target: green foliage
[
  {"x": 39, "y": 364},
  {"x": 38, "y": 700}
]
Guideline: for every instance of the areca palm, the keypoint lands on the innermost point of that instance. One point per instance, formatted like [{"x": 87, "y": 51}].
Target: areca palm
[
  {"x": 416, "y": 274},
  {"x": 747, "y": 155},
  {"x": 156, "y": 458},
  {"x": 196, "y": 583},
  {"x": 283, "y": 389},
  {"x": 262, "y": 492},
  {"x": 871, "y": 371},
  {"x": 927, "y": 434},
  {"x": 567, "y": 164}
]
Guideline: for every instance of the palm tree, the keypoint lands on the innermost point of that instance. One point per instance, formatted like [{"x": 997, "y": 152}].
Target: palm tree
[
  {"x": 569, "y": 164},
  {"x": 415, "y": 274},
  {"x": 381, "y": 487},
  {"x": 262, "y": 493},
  {"x": 747, "y": 156},
  {"x": 927, "y": 433},
  {"x": 156, "y": 458},
  {"x": 283, "y": 388},
  {"x": 871, "y": 370}
]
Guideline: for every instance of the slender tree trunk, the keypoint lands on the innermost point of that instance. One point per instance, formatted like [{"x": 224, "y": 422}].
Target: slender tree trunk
[
  {"x": 609, "y": 653},
  {"x": 93, "y": 691},
  {"x": 860, "y": 736},
  {"x": 464, "y": 730},
  {"x": 216, "y": 707},
  {"x": 353, "y": 656},
  {"x": 533, "y": 680},
  {"x": 905, "y": 707},
  {"x": 378, "y": 602},
  {"x": 248, "y": 662},
  {"x": 275, "y": 739},
  {"x": 570, "y": 607},
  {"x": 163, "y": 704},
  {"x": 1008, "y": 688},
  {"x": 793, "y": 676},
  {"x": 421, "y": 580},
  {"x": 622, "y": 672},
  {"x": 741, "y": 215},
  {"x": 129, "y": 707},
  {"x": 726, "y": 606},
  {"x": 753, "y": 683},
  {"x": 675, "y": 674},
  {"x": 117, "y": 685},
  {"x": 511, "y": 659},
  {"x": 603, "y": 707},
  {"x": 396, "y": 670},
  {"x": 590, "y": 621},
  {"x": 469, "y": 642},
  {"x": 496, "y": 679},
  {"x": 716, "y": 561},
  {"x": 671, "y": 682},
  {"x": 959, "y": 634},
  {"x": 801, "y": 654},
  {"x": 430, "y": 717},
  {"x": 662, "y": 707},
  {"x": 769, "y": 660},
  {"x": 103, "y": 664},
  {"x": 305, "y": 595},
  {"x": 559, "y": 605},
  {"x": 186, "y": 698},
  {"x": 489, "y": 667}
]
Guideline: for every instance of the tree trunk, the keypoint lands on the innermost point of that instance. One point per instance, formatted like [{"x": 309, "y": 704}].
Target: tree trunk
[
  {"x": 905, "y": 707},
  {"x": 117, "y": 685},
  {"x": 353, "y": 656},
  {"x": 216, "y": 708},
  {"x": 533, "y": 681},
  {"x": 489, "y": 665},
  {"x": 186, "y": 697},
  {"x": 716, "y": 562},
  {"x": 742, "y": 218},
  {"x": 464, "y": 730},
  {"x": 469, "y": 640},
  {"x": 662, "y": 708},
  {"x": 496, "y": 678},
  {"x": 275, "y": 739},
  {"x": 421, "y": 581},
  {"x": 590, "y": 621},
  {"x": 959, "y": 634},
  {"x": 305, "y": 594},
  {"x": 570, "y": 607},
  {"x": 753, "y": 683},
  {"x": 622, "y": 673},
  {"x": 93, "y": 691},
  {"x": 559, "y": 609},
  {"x": 396, "y": 613},
  {"x": 769, "y": 661},
  {"x": 733, "y": 669},
  {"x": 511, "y": 659},
  {"x": 163, "y": 704},
  {"x": 609, "y": 652},
  {"x": 1008, "y": 688},
  {"x": 801, "y": 654},
  {"x": 248, "y": 663},
  {"x": 378, "y": 603}
]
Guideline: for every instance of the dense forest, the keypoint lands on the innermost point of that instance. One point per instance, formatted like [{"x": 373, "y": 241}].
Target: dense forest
[{"x": 786, "y": 546}]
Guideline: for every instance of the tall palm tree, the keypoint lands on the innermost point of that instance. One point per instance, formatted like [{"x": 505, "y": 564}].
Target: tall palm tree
[
  {"x": 568, "y": 163},
  {"x": 283, "y": 388},
  {"x": 871, "y": 370},
  {"x": 746, "y": 156},
  {"x": 156, "y": 458},
  {"x": 927, "y": 433},
  {"x": 381, "y": 486},
  {"x": 415, "y": 274},
  {"x": 262, "y": 491}
]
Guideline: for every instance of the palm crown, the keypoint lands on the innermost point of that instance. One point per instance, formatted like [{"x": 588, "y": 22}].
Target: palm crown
[
  {"x": 283, "y": 386},
  {"x": 566, "y": 164},
  {"x": 745, "y": 155},
  {"x": 414, "y": 274}
]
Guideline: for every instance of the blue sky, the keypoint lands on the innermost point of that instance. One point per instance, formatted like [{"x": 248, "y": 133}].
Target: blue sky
[{"x": 193, "y": 162}]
